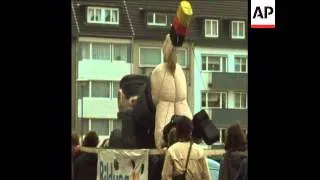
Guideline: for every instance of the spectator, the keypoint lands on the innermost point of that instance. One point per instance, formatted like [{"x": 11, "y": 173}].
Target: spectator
[
  {"x": 85, "y": 166},
  {"x": 243, "y": 170},
  {"x": 236, "y": 151},
  {"x": 75, "y": 146},
  {"x": 242, "y": 174},
  {"x": 176, "y": 155},
  {"x": 115, "y": 141},
  {"x": 214, "y": 167}
]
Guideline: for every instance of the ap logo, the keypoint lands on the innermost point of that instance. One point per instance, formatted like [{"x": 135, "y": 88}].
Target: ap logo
[{"x": 263, "y": 14}]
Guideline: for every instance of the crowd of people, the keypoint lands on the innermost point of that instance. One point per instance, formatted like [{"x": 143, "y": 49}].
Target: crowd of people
[{"x": 184, "y": 157}]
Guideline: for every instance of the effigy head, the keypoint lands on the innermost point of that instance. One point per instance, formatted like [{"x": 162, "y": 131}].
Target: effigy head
[
  {"x": 181, "y": 23},
  {"x": 177, "y": 34},
  {"x": 170, "y": 54},
  {"x": 130, "y": 88}
]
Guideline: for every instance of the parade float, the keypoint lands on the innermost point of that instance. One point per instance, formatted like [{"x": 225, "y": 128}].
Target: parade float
[{"x": 146, "y": 107}]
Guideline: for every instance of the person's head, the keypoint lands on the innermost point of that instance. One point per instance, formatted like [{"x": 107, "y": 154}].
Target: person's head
[
  {"x": 183, "y": 128},
  {"x": 75, "y": 139},
  {"x": 91, "y": 139},
  {"x": 236, "y": 140},
  {"x": 115, "y": 141},
  {"x": 172, "y": 137},
  {"x": 130, "y": 88}
]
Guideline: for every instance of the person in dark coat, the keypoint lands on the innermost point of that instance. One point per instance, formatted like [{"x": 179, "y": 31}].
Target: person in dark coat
[
  {"x": 85, "y": 166},
  {"x": 72, "y": 171},
  {"x": 236, "y": 151},
  {"x": 75, "y": 146},
  {"x": 136, "y": 111},
  {"x": 243, "y": 170},
  {"x": 242, "y": 174}
]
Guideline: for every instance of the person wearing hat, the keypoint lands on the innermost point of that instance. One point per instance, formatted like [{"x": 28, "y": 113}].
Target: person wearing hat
[
  {"x": 204, "y": 129},
  {"x": 185, "y": 159},
  {"x": 236, "y": 152}
]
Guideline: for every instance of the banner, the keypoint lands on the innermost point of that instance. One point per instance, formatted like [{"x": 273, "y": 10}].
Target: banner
[{"x": 122, "y": 164}]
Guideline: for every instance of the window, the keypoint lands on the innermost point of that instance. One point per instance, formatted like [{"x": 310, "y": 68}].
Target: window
[
  {"x": 100, "y": 126},
  {"x": 214, "y": 63},
  {"x": 103, "y": 51},
  {"x": 100, "y": 89},
  {"x": 211, "y": 28},
  {"x": 150, "y": 56},
  {"x": 116, "y": 86},
  {"x": 84, "y": 50},
  {"x": 83, "y": 89},
  {"x": 120, "y": 52},
  {"x": 84, "y": 125},
  {"x": 240, "y": 100},
  {"x": 117, "y": 124},
  {"x": 182, "y": 57},
  {"x": 240, "y": 64},
  {"x": 223, "y": 136},
  {"x": 238, "y": 29},
  {"x": 157, "y": 19},
  {"x": 212, "y": 99},
  {"x": 103, "y": 15}
]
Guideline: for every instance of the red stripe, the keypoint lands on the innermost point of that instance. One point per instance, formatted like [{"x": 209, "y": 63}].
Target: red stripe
[
  {"x": 178, "y": 27},
  {"x": 263, "y": 26}
]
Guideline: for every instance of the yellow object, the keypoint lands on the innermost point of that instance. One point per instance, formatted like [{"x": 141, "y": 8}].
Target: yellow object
[{"x": 184, "y": 13}]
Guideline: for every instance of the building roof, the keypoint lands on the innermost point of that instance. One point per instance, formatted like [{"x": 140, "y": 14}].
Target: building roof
[
  {"x": 221, "y": 9},
  {"x": 75, "y": 30},
  {"x": 100, "y": 30}
]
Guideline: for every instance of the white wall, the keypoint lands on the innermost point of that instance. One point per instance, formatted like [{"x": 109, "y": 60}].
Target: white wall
[
  {"x": 98, "y": 108},
  {"x": 103, "y": 70}
]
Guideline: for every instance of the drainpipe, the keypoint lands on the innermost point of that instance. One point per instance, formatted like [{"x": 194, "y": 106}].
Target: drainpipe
[
  {"x": 132, "y": 34},
  {"x": 132, "y": 54},
  {"x": 76, "y": 59}
]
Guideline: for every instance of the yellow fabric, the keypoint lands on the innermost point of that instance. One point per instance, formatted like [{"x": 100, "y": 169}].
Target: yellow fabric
[
  {"x": 184, "y": 13},
  {"x": 176, "y": 158}
]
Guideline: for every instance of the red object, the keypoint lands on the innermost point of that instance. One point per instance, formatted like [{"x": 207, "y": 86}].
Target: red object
[
  {"x": 178, "y": 27},
  {"x": 75, "y": 151},
  {"x": 263, "y": 26}
]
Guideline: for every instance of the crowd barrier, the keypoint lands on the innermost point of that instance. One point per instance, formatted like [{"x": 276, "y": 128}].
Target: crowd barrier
[
  {"x": 208, "y": 152},
  {"x": 129, "y": 163}
]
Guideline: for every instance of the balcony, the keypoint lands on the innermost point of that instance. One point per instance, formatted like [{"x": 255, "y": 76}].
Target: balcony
[
  {"x": 229, "y": 81},
  {"x": 103, "y": 70},
  {"x": 103, "y": 108},
  {"x": 225, "y": 117}
]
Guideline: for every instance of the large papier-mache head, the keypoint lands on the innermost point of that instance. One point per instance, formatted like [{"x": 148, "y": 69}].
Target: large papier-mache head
[
  {"x": 177, "y": 34},
  {"x": 130, "y": 88},
  {"x": 181, "y": 23}
]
